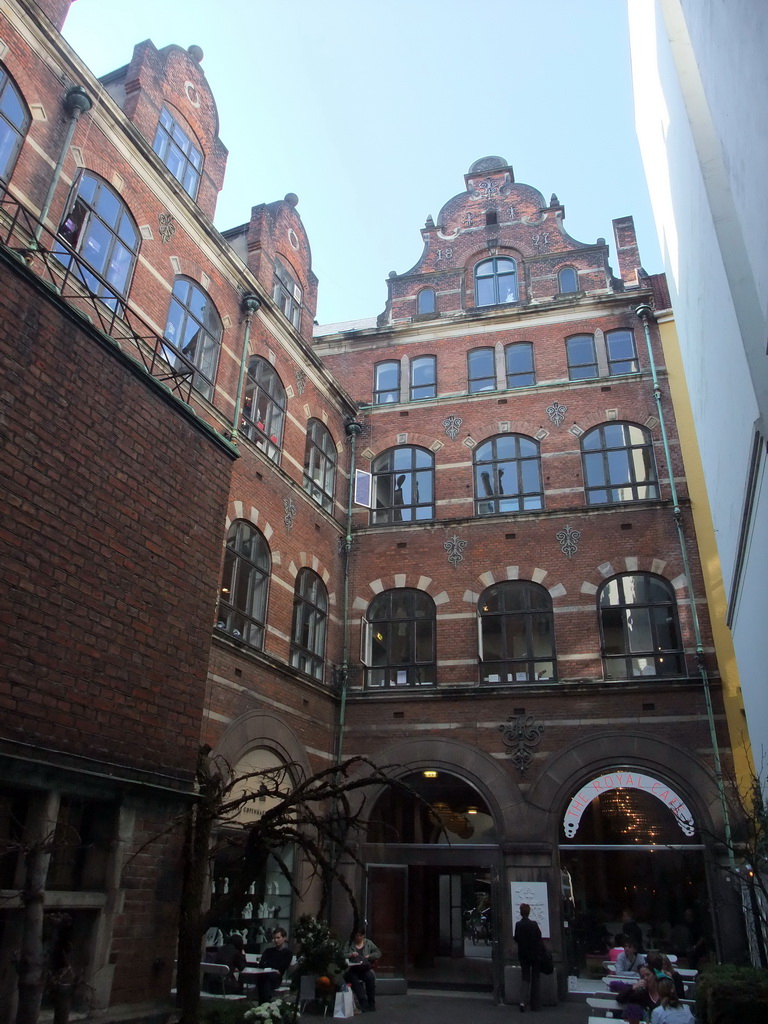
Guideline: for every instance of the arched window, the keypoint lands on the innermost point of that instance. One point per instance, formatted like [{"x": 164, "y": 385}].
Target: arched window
[
  {"x": 399, "y": 639},
  {"x": 517, "y": 635},
  {"x": 582, "y": 361},
  {"x": 386, "y": 382},
  {"x": 319, "y": 464},
  {"x": 100, "y": 228},
  {"x": 14, "y": 124},
  {"x": 508, "y": 475},
  {"x": 193, "y": 331},
  {"x": 639, "y": 627},
  {"x": 174, "y": 145},
  {"x": 481, "y": 370},
  {"x": 287, "y": 293},
  {"x": 243, "y": 601},
  {"x": 264, "y": 408},
  {"x": 310, "y": 612},
  {"x": 519, "y": 360},
  {"x": 423, "y": 377},
  {"x": 567, "y": 280},
  {"x": 426, "y": 301},
  {"x": 496, "y": 281},
  {"x": 403, "y": 486},
  {"x": 622, "y": 354},
  {"x": 618, "y": 464}
]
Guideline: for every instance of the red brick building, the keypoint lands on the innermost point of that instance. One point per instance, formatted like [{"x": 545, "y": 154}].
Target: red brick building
[{"x": 445, "y": 539}]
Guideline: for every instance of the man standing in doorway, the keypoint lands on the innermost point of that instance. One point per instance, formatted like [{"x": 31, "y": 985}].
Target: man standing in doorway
[{"x": 529, "y": 949}]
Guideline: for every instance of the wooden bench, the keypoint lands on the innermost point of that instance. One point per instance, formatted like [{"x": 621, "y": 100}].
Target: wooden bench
[{"x": 606, "y": 1007}]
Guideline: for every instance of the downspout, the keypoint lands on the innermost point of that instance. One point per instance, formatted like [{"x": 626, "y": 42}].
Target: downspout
[
  {"x": 249, "y": 305},
  {"x": 645, "y": 313},
  {"x": 354, "y": 429},
  {"x": 76, "y": 102}
]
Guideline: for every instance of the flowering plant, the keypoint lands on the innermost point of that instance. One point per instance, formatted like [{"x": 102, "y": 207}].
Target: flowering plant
[
  {"x": 279, "y": 1011},
  {"x": 319, "y": 952}
]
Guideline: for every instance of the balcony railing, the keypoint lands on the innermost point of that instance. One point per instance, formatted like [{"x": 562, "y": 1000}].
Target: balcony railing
[{"x": 81, "y": 287}]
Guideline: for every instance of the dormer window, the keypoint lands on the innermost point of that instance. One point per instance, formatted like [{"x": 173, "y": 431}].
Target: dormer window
[
  {"x": 567, "y": 280},
  {"x": 426, "y": 301},
  {"x": 178, "y": 152},
  {"x": 496, "y": 281},
  {"x": 287, "y": 294}
]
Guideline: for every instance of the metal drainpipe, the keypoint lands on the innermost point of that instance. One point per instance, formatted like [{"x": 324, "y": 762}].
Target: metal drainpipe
[
  {"x": 645, "y": 313},
  {"x": 76, "y": 102},
  {"x": 249, "y": 305},
  {"x": 353, "y": 428}
]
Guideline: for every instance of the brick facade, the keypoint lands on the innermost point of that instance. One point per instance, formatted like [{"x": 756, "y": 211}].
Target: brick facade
[{"x": 120, "y": 499}]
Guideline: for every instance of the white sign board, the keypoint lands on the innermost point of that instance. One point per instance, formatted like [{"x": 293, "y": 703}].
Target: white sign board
[
  {"x": 626, "y": 780},
  {"x": 535, "y": 895}
]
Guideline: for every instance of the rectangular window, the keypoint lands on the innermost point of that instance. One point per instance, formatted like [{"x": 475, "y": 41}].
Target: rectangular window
[
  {"x": 386, "y": 386},
  {"x": 519, "y": 359},
  {"x": 582, "y": 362},
  {"x": 622, "y": 355},
  {"x": 481, "y": 370},
  {"x": 423, "y": 378}
]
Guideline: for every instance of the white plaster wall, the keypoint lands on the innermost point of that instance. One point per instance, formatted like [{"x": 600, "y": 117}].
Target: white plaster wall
[{"x": 701, "y": 103}]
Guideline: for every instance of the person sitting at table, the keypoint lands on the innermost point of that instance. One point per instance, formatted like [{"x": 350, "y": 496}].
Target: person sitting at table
[
  {"x": 277, "y": 958},
  {"x": 231, "y": 954},
  {"x": 644, "y": 992},
  {"x": 630, "y": 961},
  {"x": 618, "y": 947},
  {"x": 670, "y": 971},
  {"x": 671, "y": 1010},
  {"x": 361, "y": 954}
]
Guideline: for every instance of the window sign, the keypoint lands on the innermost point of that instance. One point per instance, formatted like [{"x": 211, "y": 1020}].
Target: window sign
[{"x": 626, "y": 780}]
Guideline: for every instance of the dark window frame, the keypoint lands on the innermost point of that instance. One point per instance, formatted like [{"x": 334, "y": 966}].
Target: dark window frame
[
  {"x": 430, "y": 385},
  {"x": 492, "y": 289},
  {"x": 177, "y": 149},
  {"x": 309, "y": 625},
  {"x": 602, "y": 465},
  {"x": 567, "y": 291},
  {"x": 479, "y": 382},
  {"x": 86, "y": 229},
  {"x": 319, "y": 464},
  {"x": 526, "y": 452},
  {"x": 397, "y": 474},
  {"x": 242, "y": 613},
  {"x": 287, "y": 293},
  {"x": 631, "y": 618},
  {"x": 12, "y": 132},
  {"x": 516, "y": 348},
  {"x": 506, "y": 605},
  {"x": 622, "y": 363},
  {"x": 405, "y": 618},
  {"x": 200, "y": 353},
  {"x": 575, "y": 367},
  {"x": 385, "y": 395},
  {"x": 264, "y": 392}
]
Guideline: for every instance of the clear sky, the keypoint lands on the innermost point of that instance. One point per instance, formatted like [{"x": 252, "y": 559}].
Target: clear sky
[{"x": 372, "y": 111}]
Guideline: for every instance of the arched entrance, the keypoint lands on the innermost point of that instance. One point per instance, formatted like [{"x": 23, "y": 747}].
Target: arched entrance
[
  {"x": 630, "y": 849},
  {"x": 432, "y": 861}
]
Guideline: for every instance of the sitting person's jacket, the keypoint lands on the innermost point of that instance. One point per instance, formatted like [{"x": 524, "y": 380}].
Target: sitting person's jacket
[
  {"x": 672, "y": 1015},
  {"x": 626, "y": 964},
  {"x": 369, "y": 952},
  {"x": 277, "y": 959},
  {"x": 233, "y": 957}
]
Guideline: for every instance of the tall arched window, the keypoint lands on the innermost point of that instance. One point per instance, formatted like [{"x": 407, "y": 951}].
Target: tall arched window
[
  {"x": 618, "y": 464},
  {"x": 399, "y": 639},
  {"x": 508, "y": 475},
  {"x": 243, "y": 601},
  {"x": 403, "y": 486},
  {"x": 496, "y": 281},
  {"x": 310, "y": 612},
  {"x": 264, "y": 407},
  {"x": 193, "y": 331},
  {"x": 517, "y": 635},
  {"x": 14, "y": 124},
  {"x": 175, "y": 147},
  {"x": 100, "y": 228},
  {"x": 386, "y": 382},
  {"x": 423, "y": 377},
  {"x": 567, "y": 280},
  {"x": 519, "y": 362},
  {"x": 639, "y": 627},
  {"x": 426, "y": 301},
  {"x": 319, "y": 464},
  {"x": 286, "y": 292}
]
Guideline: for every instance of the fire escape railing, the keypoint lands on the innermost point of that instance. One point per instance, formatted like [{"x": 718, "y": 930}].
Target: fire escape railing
[{"x": 83, "y": 288}]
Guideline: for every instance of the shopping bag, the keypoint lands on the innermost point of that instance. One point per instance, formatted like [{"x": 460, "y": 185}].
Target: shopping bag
[{"x": 344, "y": 1005}]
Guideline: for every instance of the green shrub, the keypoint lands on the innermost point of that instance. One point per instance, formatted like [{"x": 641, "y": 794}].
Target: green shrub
[{"x": 732, "y": 995}]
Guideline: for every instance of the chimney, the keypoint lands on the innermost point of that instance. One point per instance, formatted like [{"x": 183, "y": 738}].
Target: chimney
[{"x": 627, "y": 251}]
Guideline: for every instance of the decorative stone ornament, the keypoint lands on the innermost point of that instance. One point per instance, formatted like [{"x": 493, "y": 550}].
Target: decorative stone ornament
[
  {"x": 521, "y": 735},
  {"x": 568, "y": 538},
  {"x": 301, "y": 380},
  {"x": 290, "y": 512},
  {"x": 452, "y": 425},
  {"x": 455, "y": 546},
  {"x": 167, "y": 226},
  {"x": 556, "y": 413}
]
